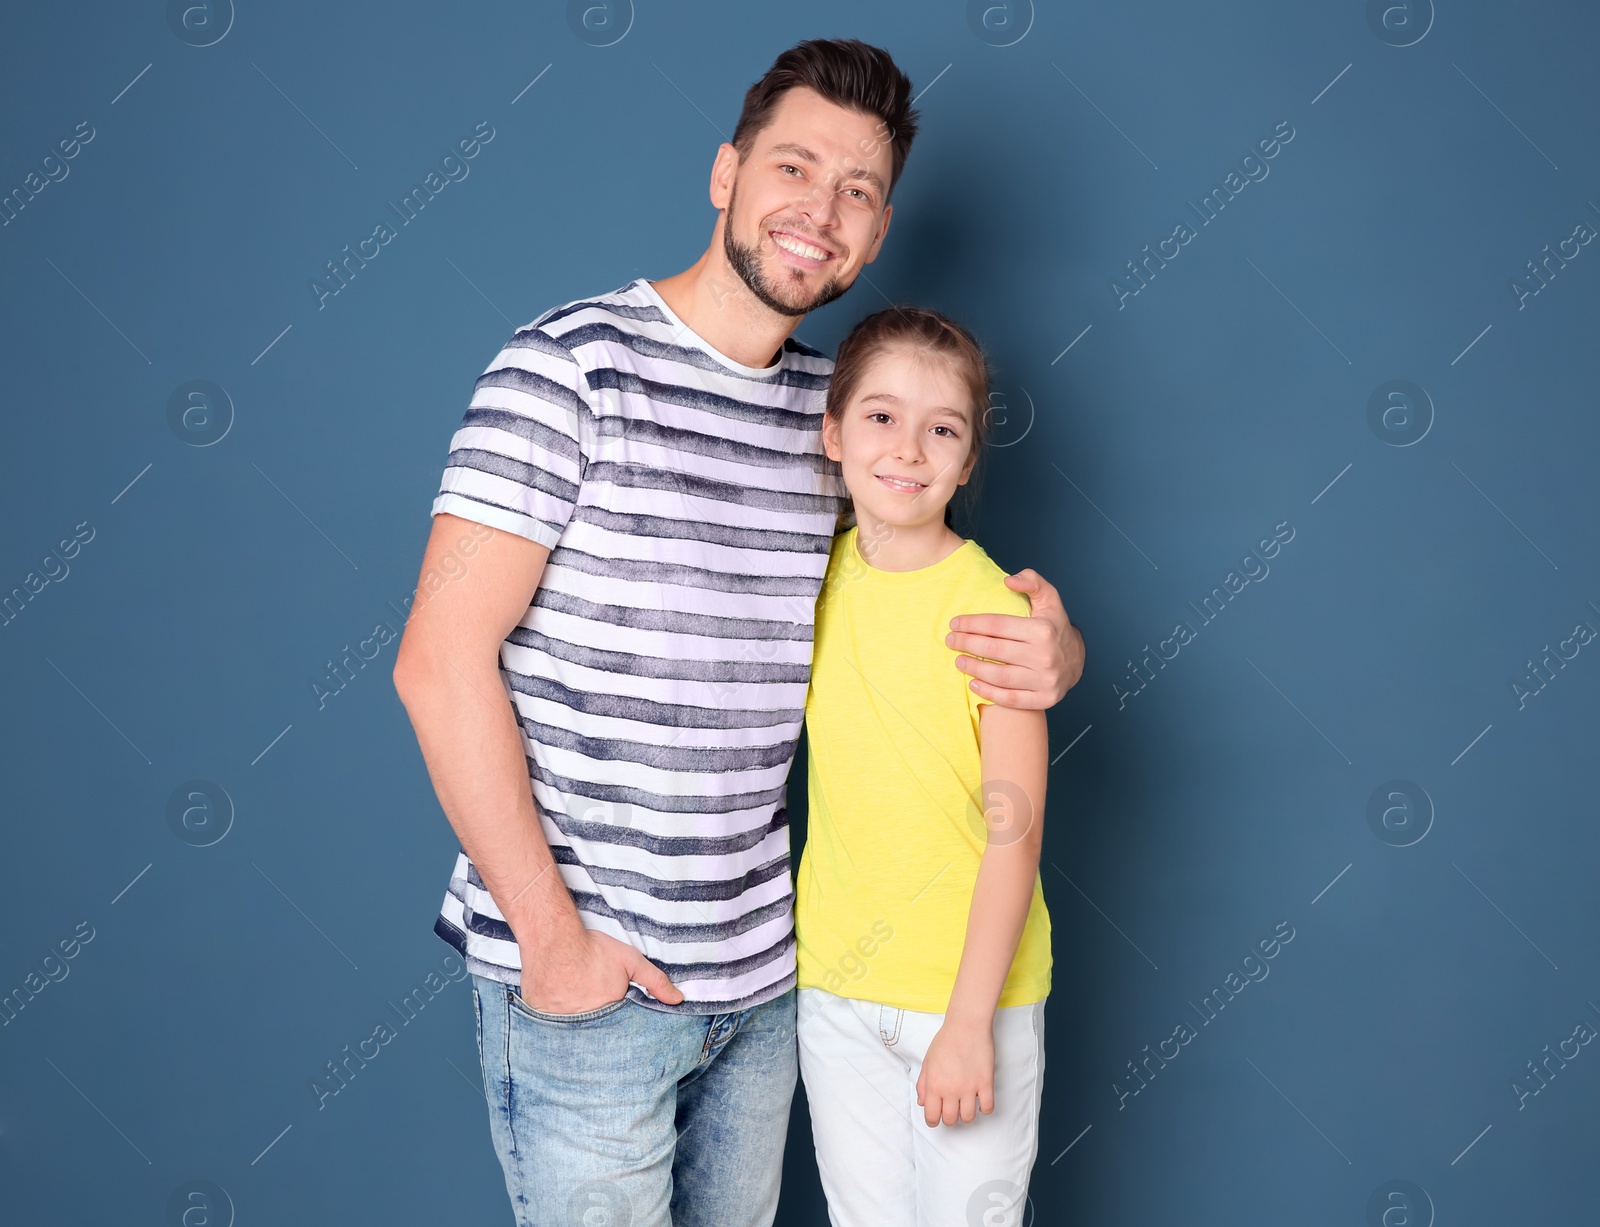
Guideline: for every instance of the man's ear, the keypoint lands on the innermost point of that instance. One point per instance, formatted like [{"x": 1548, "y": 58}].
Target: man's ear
[
  {"x": 723, "y": 169},
  {"x": 830, "y": 438},
  {"x": 872, "y": 252}
]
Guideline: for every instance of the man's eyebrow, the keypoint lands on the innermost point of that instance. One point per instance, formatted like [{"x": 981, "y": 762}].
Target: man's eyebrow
[{"x": 864, "y": 173}]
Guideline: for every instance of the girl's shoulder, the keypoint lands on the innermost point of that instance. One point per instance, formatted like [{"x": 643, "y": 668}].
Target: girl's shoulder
[{"x": 982, "y": 582}]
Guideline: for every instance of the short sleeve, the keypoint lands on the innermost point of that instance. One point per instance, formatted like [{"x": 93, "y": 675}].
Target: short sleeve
[
  {"x": 992, "y": 598},
  {"x": 517, "y": 459}
]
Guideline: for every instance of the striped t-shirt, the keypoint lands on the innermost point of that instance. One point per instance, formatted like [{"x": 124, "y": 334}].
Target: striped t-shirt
[{"x": 659, "y": 676}]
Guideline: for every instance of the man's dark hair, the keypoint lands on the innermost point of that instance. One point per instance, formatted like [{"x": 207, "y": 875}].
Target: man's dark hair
[{"x": 848, "y": 73}]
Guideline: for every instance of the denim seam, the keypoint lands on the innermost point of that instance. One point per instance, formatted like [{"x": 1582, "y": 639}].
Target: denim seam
[
  {"x": 711, "y": 1033},
  {"x": 515, "y": 1002},
  {"x": 477, "y": 1018},
  {"x": 510, "y": 1082}
]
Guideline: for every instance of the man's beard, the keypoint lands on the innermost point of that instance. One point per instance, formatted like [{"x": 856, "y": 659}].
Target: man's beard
[{"x": 747, "y": 264}]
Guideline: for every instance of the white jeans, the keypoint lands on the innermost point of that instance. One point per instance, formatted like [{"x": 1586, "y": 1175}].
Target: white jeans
[{"x": 881, "y": 1165}]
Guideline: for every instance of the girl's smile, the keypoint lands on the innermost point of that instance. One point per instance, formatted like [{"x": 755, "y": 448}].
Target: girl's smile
[
  {"x": 904, "y": 443},
  {"x": 902, "y": 483}
]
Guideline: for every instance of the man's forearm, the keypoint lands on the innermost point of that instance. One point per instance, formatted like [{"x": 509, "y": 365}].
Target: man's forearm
[{"x": 473, "y": 749}]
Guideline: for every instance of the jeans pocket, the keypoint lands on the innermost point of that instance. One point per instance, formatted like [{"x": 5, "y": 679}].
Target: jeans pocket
[
  {"x": 519, "y": 1006},
  {"x": 890, "y": 1019}
]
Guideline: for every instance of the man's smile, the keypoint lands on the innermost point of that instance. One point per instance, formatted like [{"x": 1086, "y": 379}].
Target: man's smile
[{"x": 800, "y": 251}]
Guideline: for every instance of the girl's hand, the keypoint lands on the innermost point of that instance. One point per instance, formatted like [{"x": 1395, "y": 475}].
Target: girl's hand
[{"x": 957, "y": 1078}]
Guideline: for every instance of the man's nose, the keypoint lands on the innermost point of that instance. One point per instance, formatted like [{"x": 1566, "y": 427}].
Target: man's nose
[{"x": 820, "y": 204}]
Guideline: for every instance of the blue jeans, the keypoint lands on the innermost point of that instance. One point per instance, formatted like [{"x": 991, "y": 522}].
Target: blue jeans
[{"x": 632, "y": 1117}]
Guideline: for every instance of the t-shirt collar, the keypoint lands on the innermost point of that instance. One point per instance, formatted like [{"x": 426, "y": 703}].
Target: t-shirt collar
[{"x": 694, "y": 338}]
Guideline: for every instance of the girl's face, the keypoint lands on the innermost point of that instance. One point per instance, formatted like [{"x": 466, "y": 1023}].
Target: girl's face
[{"x": 904, "y": 440}]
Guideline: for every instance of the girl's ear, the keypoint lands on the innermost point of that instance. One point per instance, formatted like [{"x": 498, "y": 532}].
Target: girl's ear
[
  {"x": 971, "y": 463},
  {"x": 830, "y": 439}
]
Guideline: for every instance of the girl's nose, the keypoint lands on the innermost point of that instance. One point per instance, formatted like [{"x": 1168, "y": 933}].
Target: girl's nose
[{"x": 908, "y": 447}]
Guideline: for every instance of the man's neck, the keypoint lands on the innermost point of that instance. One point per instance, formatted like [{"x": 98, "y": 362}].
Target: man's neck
[{"x": 710, "y": 298}]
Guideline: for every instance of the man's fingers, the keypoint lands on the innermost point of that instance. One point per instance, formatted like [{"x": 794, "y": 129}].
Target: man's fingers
[
  {"x": 1022, "y": 700},
  {"x": 969, "y": 1108},
  {"x": 1000, "y": 626},
  {"x": 931, "y": 1110},
  {"x": 1026, "y": 580},
  {"x": 645, "y": 973},
  {"x": 1012, "y": 677},
  {"x": 1041, "y": 593},
  {"x": 1011, "y": 651},
  {"x": 952, "y": 1110},
  {"x": 986, "y": 1099}
]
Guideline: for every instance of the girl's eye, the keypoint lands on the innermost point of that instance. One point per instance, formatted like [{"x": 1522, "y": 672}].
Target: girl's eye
[
  {"x": 948, "y": 433},
  {"x": 878, "y": 416}
]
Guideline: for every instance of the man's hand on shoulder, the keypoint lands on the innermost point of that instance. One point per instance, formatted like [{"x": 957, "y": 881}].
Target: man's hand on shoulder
[{"x": 1021, "y": 662}]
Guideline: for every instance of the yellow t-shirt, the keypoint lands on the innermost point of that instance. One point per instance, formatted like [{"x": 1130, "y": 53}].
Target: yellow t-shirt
[{"x": 896, "y": 830}]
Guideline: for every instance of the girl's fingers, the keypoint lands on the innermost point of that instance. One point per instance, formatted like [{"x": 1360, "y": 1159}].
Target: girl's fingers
[
  {"x": 969, "y": 1108},
  {"x": 986, "y": 1099}
]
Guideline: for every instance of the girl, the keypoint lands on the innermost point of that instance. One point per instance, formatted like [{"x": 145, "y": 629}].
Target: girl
[{"x": 924, "y": 944}]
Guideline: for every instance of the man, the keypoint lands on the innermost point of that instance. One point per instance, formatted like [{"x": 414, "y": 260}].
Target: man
[{"x": 650, "y": 517}]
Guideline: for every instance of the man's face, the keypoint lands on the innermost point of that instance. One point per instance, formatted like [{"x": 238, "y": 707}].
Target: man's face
[{"x": 808, "y": 208}]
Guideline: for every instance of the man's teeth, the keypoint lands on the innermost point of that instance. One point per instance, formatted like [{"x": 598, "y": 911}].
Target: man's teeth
[{"x": 798, "y": 248}]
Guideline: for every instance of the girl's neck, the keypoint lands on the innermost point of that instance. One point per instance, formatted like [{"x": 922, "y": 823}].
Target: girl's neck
[{"x": 890, "y": 547}]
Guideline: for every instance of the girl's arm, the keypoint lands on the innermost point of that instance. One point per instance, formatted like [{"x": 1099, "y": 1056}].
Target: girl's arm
[{"x": 957, "y": 1079}]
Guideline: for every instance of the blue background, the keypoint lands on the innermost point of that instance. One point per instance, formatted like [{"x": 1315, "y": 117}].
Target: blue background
[{"x": 1229, "y": 397}]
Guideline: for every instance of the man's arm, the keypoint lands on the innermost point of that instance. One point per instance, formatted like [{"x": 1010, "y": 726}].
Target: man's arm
[
  {"x": 447, "y": 673},
  {"x": 1031, "y": 662}
]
